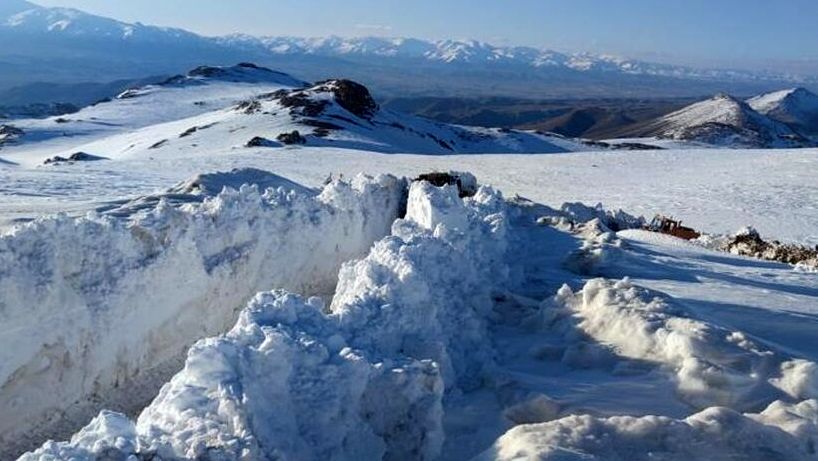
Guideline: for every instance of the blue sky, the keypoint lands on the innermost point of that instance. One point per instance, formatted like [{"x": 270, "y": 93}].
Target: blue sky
[{"x": 771, "y": 34}]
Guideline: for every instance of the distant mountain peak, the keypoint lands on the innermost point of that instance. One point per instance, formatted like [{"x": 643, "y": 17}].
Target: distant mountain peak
[
  {"x": 797, "y": 107},
  {"x": 724, "y": 120}
]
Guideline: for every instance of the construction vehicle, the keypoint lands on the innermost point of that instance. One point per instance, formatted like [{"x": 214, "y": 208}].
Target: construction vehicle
[{"x": 669, "y": 226}]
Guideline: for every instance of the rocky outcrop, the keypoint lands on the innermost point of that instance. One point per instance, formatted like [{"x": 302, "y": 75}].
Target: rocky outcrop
[{"x": 76, "y": 157}]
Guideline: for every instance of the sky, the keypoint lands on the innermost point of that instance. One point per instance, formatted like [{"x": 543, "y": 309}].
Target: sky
[{"x": 758, "y": 34}]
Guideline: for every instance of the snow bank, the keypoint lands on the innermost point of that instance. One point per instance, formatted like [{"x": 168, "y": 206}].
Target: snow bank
[
  {"x": 710, "y": 365},
  {"x": 612, "y": 220},
  {"x": 363, "y": 378},
  {"x": 99, "y": 311},
  {"x": 781, "y": 433}
]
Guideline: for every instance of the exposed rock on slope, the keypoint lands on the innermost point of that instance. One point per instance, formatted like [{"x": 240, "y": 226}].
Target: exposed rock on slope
[{"x": 9, "y": 133}]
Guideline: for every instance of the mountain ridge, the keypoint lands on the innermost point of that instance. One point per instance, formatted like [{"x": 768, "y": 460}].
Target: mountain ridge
[{"x": 68, "y": 46}]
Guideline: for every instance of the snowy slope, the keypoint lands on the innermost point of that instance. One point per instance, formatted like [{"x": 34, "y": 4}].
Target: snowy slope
[
  {"x": 480, "y": 317},
  {"x": 178, "y": 118},
  {"x": 202, "y": 90},
  {"x": 723, "y": 121},
  {"x": 797, "y": 107}
]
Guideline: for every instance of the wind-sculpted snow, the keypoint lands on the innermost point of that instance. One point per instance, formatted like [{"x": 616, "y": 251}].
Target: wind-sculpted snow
[
  {"x": 100, "y": 310},
  {"x": 780, "y": 433},
  {"x": 358, "y": 380},
  {"x": 711, "y": 365}
]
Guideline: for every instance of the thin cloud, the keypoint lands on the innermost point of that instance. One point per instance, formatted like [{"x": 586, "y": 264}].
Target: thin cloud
[{"x": 374, "y": 27}]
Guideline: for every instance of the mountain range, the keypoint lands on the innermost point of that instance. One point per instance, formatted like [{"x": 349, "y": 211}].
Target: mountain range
[{"x": 63, "y": 45}]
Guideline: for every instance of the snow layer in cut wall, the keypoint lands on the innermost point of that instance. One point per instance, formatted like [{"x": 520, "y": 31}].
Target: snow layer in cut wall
[{"x": 99, "y": 310}]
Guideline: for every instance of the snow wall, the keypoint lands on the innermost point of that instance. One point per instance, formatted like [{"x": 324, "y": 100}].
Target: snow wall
[
  {"x": 362, "y": 378},
  {"x": 98, "y": 312}
]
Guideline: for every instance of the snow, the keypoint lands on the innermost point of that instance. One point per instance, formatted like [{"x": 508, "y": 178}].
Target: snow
[
  {"x": 94, "y": 305},
  {"x": 453, "y": 337},
  {"x": 179, "y": 98},
  {"x": 716, "y": 433}
]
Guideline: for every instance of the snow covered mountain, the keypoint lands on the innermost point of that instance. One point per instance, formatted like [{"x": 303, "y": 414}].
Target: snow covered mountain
[
  {"x": 202, "y": 90},
  {"x": 722, "y": 121},
  {"x": 475, "y": 52},
  {"x": 251, "y": 107},
  {"x": 33, "y": 20},
  {"x": 797, "y": 107}
]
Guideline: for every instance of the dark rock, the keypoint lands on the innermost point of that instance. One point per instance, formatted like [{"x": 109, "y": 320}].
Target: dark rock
[
  {"x": 466, "y": 183},
  {"x": 321, "y": 124},
  {"x": 301, "y": 104},
  {"x": 75, "y": 157},
  {"x": 9, "y": 133},
  {"x": 195, "y": 129},
  {"x": 158, "y": 144},
  {"x": 258, "y": 141},
  {"x": 352, "y": 96},
  {"x": 635, "y": 146},
  {"x": 249, "y": 107},
  {"x": 291, "y": 138},
  {"x": 750, "y": 243}
]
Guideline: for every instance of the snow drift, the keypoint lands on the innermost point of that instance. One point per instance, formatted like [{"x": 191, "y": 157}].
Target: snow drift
[
  {"x": 99, "y": 311},
  {"x": 710, "y": 365},
  {"x": 782, "y": 432}
]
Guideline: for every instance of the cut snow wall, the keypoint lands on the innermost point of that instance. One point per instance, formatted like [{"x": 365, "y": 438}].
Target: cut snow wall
[
  {"x": 358, "y": 380},
  {"x": 100, "y": 311}
]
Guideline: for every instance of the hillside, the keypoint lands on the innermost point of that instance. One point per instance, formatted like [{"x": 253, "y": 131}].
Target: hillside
[
  {"x": 797, "y": 107},
  {"x": 247, "y": 106},
  {"x": 720, "y": 121}
]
